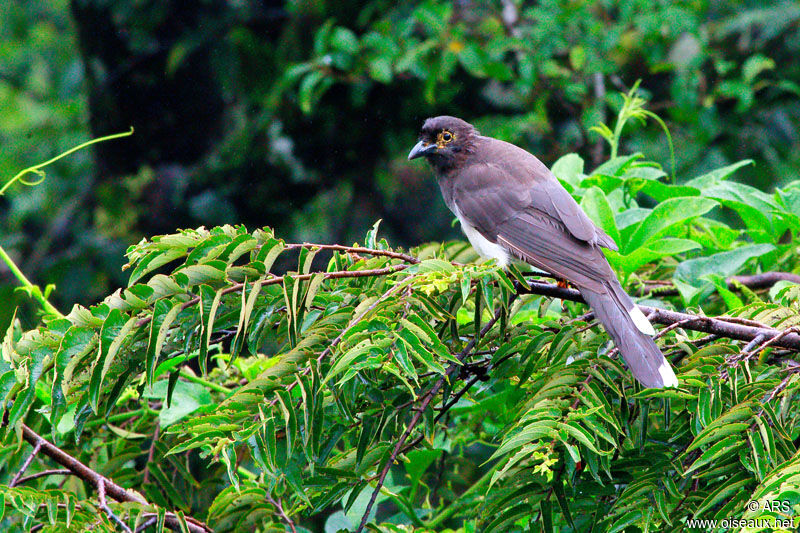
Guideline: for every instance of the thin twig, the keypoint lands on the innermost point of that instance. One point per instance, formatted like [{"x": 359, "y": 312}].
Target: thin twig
[
  {"x": 744, "y": 355},
  {"x": 354, "y": 250},
  {"x": 150, "y": 454},
  {"x": 147, "y": 523},
  {"x": 26, "y": 464},
  {"x": 101, "y": 496},
  {"x": 281, "y": 512},
  {"x": 755, "y": 282},
  {"x": 43, "y": 473},
  {"x": 274, "y": 280}
]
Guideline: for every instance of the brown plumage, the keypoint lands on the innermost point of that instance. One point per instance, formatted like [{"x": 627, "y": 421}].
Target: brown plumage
[{"x": 510, "y": 205}]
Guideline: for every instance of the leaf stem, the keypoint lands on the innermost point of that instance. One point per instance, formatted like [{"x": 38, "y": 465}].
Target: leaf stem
[
  {"x": 206, "y": 383},
  {"x": 33, "y": 290}
]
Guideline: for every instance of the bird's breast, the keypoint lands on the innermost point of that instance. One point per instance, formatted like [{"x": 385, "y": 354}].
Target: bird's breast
[{"x": 482, "y": 245}]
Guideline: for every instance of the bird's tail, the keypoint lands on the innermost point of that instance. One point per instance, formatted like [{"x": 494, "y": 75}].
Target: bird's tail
[{"x": 631, "y": 331}]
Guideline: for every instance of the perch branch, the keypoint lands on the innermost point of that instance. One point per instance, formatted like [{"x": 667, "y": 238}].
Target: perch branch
[{"x": 724, "y": 327}]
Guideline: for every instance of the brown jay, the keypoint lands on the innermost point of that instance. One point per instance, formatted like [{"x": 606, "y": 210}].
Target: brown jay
[{"x": 511, "y": 205}]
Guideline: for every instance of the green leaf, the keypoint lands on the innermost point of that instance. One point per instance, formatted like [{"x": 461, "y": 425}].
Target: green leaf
[
  {"x": 348, "y": 358},
  {"x": 725, "y": 447},
  {"x": 690, "y": 275},
  {"x": 667, "y": 214},
  {"x": 595, "y": 204},
  {"x": 159, "y": 328},
  {"x": 716, "y": 175},
  {"x": 416, "y": 348},
  {"x": 659, "y": 191},
  {"x": 113, "y": 334},
  {"x": 248, "y": 303},
  {"x": 535, "y": 431},
  {"x": 732, "y": 422},
  {"x": 581, "y": 435},
  {"x": 152, "y": 261},
  {"x": 569, "y": 169},
  {"x": 77, "y": 343},
  {"x": 26, "y": 396},
  {"x": 649, "y": 252}
]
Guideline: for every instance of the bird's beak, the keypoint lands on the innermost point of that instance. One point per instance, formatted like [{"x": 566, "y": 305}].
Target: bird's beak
[{"x": 420, "y": 149}]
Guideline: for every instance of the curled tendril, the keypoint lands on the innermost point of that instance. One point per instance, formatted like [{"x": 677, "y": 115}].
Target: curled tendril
[
  {"x": 37, "y": 169},
  {"x": 38, "y": 172}
]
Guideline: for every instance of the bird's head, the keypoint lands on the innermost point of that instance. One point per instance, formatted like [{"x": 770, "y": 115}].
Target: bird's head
[{"x": 443, "y": 140}]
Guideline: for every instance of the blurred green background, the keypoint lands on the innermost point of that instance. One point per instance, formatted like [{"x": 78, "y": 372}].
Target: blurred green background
[{"x": 299, "y": 115}]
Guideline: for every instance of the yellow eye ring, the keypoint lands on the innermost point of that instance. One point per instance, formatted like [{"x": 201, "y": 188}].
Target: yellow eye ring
[{"x": 447, "y": 136}]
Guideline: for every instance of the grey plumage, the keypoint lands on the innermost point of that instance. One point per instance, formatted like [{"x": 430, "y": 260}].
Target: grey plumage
[{"x": 509, "y": 203}]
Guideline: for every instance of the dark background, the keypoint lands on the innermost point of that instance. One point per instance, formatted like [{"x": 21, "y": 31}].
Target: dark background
[{"x": 299, "y": 115}]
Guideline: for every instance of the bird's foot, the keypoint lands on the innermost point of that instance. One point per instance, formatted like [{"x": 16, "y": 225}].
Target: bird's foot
[{"x": 564, "y": 284}]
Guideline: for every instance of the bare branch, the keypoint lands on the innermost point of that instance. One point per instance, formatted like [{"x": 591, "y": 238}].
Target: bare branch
[
  {"x": 26, "y": 464},
  {"x": 147, "y": 523},
  {"x": 44, "y": 473},
  {"x": 150, "y": 453},
  {"x": 101, "y": 496}
]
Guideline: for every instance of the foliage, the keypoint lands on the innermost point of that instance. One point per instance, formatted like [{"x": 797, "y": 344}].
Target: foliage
[
  {"x": 311, "y": 107},
  {"x": 218, "y": 387}
]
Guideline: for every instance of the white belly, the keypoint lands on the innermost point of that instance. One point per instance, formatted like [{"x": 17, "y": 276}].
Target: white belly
[{"x": 482, "y": 245}]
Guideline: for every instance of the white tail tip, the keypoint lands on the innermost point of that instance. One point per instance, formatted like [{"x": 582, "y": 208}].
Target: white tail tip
[
  {"x": 667, "y": 375},
  {"x": 641, "y": 322}
]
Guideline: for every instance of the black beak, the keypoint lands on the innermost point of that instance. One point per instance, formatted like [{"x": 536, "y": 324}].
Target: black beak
[{"x": 420, "y": 149}]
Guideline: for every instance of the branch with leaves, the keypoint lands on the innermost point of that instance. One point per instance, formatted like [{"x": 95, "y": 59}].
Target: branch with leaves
[{"x": 102, "y": 484}]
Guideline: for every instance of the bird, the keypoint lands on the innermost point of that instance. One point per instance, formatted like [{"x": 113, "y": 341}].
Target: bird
[{"x": 511, "y": 206}]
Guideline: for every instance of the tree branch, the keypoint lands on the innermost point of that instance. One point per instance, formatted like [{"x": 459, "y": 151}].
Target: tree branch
[
  {"x": 282, "y": 513},
  {"x": 355, "y": 250},
  {"x": 26, "y": 464},
  {"x": 730, "y": 327},
  {"x": 755, "y": 282},
  {"x": 274, "y": 280},
  {"x": 102, "y": 484},
  {"x": 44, "y": 473},
  {"x": 101, "y": 496}
]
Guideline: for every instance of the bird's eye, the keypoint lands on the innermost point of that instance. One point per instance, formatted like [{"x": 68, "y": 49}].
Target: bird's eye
[{"x": 447, "y": 136}]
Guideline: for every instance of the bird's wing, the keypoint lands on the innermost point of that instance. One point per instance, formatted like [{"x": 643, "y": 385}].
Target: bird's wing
[
  {"x": 502, "y": 210},
  {"x": 570, "y": 213},
  {"x": 516, "y": 167}
]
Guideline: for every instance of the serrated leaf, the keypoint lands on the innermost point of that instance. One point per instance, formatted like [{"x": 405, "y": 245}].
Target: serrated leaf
[
  {"x": 159, "y": 328},
  {"x": 113, "y": 334}
]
